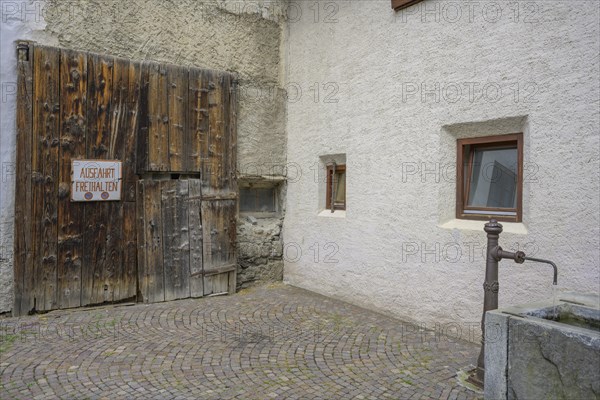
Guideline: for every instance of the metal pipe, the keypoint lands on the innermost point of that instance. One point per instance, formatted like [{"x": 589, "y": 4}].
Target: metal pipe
[
  {"x": 555, "y": 281},
  {"x": 490, "y": 286},
  {"x": 517, "y": 256}
]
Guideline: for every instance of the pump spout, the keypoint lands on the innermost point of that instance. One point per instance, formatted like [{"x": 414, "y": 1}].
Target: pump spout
[
  {"x": 554, "y": 282},
  {"x": 519, "y": 257}
]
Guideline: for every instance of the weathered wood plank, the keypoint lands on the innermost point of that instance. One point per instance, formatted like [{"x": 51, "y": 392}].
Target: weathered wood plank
[
  {"x": 115, "y": 140},
  {"x": 130, "y": 194},
  {"x": 121, "y": 146},
  {"x": 213, "y": 146},
  {"x": 143, "y": 128},
  {"x": 198, "y": 117},
  {"x": 114, "y": 272},
  {"x": 119, "y": 136},
  {"x": 232, "y": 281},
  {"x": 195, "y": 234},
  {"x": 100, "y": 84},
  {"x": 231, "y": 115},
  {"x": 208, "y": 283},
  {"x": 176, "y": 243},
  {"x": 220, "y": 283},
  {"x": 219, "y": 215},
  {"x": 158, "y": 112},
  {"x": 95, "y": 255},
  {"x": 23, "y": 251},
  {"x": 152, "y": 278},
  {"x": 141, "y": 224},
  {"x": 217, "y": 283},
  {"x": 45, "y": 174},
  {"x": 103, "y": 231},
  {"x": 179, "y": 136},
  {"x": 231, "y": 132},
  {"x": 131, "y": 127},
  {"x": 224, "y": 181},
  {"x": 73, "y": 73},
  {"x": 218, "y": 226},
  {"x": 127, "y": 287}
]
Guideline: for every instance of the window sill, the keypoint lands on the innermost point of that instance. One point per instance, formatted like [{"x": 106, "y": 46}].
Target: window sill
[
  {"x": 259, "y": 215},
  {"x": 336, "y": 214},
  {"x": 472, "y": 225}
]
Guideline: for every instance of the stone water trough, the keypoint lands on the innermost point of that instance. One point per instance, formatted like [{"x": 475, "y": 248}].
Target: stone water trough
[{"x": 545, "y": 350}]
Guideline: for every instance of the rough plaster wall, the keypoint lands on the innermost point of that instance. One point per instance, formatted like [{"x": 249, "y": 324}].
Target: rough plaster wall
[
  {"x": 391, "y": 252},
  {"x": 18, "y": 21},
  {"x": 240, "y": 36}
]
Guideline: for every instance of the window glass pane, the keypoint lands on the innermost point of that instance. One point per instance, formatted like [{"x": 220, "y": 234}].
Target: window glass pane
[
  {"x": 247, "y": 200},
  {"x": 257, "y": 200},
  {"x": 340, "y": 188},
  {"x": 494, "y": 178},
  {"x": 266, "y": 200}
]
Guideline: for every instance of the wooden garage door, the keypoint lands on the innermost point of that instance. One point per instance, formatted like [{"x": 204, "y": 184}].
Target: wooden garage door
[
  {"x": 187, "y": 241},
  {"x": 155, "y": 119},
  {"x": 187, "y": 221}
]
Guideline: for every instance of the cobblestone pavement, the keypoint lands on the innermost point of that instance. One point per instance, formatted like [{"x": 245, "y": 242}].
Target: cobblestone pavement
[{"x": 269, "y": 342}]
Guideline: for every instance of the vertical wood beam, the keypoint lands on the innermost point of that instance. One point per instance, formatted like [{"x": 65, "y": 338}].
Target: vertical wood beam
[{"x": 23, "y": 245}]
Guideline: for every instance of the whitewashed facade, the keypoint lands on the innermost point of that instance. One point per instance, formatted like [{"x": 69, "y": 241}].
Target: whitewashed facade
[{"x": 410, "y": 83}]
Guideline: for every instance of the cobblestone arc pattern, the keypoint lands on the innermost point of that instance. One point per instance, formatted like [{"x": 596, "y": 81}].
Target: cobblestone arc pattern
[{"x": 269, "y": 342}]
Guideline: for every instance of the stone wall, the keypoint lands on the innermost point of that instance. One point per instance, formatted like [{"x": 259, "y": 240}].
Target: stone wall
[
  {"x": 545, "y": 350},
  {"x": 260, "y": 251}
]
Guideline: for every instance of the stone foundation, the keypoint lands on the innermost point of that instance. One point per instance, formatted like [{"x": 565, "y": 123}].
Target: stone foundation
[{"x": 260, "y": 251}]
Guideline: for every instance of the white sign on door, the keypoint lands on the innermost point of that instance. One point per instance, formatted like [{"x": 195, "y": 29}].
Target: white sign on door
[{"x": 95, "y": 180}]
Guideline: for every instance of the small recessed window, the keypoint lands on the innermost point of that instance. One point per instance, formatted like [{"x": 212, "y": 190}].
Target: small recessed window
[
  {"x": 258, "y": 201},
  {"x": 336, "y": 187},
  {"x": 490, "y": 178}
]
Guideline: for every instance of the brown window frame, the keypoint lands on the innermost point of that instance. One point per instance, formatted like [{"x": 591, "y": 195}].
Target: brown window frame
[
  {"x": 462, "y": 188},
  {"x": 330, "y": 174},
  {"x": 398, "y": 5}
]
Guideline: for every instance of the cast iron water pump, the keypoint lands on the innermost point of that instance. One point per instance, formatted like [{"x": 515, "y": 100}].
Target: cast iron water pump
[{"x": 490, "y": 286}]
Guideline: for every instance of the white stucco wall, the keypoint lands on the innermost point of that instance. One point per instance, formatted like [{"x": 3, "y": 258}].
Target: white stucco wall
[
  {"x": 410, "y": 83},
  {"x": 19, "y": 20}
]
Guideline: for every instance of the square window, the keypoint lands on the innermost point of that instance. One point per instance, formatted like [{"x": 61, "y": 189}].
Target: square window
[
  {"x": 259, "y": 201},
  {"x": 336, "y": 187},
  {"x": 490, "y": 178}
]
